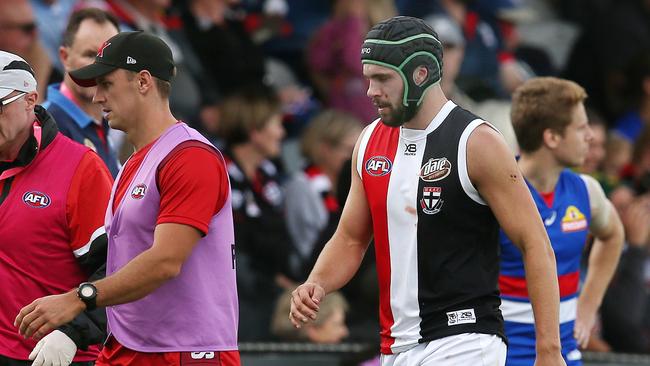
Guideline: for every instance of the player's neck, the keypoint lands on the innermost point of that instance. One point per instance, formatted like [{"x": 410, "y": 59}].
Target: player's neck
[
  {"x": 541, "y": 170},
  {"x": 149, "y": 125},
  {"x": 431, "y": 105}
]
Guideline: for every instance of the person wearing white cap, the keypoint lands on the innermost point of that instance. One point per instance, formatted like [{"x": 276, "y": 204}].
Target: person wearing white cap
[{"x": 53, "y": 193}]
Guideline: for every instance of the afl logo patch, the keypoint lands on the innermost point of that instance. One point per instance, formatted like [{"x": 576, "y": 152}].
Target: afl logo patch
[
  {"x": 378, "y": 166},
  {"x": 36, "y": 199},
  {"x": 139, "y": 191},
  {"x": 435, "y": 169}
]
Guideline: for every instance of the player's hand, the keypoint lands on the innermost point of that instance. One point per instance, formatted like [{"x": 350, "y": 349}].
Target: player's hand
[
  {"x": 585, "y": 321},
  {"x": 47, "y": 313},
  {"x": 305, "y": 302},
  {"x": 55, "y": 349}
]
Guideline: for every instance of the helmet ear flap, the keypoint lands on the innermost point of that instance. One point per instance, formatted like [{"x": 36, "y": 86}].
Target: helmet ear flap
[{"x": 415, "y": 89}]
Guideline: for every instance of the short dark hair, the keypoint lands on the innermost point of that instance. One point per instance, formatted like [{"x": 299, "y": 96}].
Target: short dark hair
[
  {"x": 98, "y": 15},
  {"x": 164, "y": 87}
]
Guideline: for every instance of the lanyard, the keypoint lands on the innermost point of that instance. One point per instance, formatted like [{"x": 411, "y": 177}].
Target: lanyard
[{"x": 12, "y": 172}]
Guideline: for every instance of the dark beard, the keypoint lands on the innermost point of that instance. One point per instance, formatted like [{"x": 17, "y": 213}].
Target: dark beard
[{"x": 395, "y": 119}]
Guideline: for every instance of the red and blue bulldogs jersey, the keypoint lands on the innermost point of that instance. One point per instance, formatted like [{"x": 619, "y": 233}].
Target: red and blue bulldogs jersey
[{"x": 567, "y": 224}]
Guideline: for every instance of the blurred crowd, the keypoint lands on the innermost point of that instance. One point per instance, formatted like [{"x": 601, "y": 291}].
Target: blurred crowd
[{"x": 277, "y": 85}]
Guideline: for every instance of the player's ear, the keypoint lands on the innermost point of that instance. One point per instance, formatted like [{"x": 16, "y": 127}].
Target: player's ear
[{"x": 551, "y": 138}]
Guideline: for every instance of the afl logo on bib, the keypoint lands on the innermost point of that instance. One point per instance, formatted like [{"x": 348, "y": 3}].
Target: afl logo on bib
[
  {"x": 36, "y": 199},
  {"x": 378, "y": 166},
  {"x": 139, "y": 191},
  {"x": 435, "y": 169}
]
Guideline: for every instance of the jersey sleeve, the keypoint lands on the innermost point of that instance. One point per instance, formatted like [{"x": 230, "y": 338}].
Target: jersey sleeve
[
  {"x": 193, "y": 186},
  {"x": 87, "y": 200}
]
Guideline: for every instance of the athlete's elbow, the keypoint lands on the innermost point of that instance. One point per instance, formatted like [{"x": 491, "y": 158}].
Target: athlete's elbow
[{"x": 168, "y": 270}]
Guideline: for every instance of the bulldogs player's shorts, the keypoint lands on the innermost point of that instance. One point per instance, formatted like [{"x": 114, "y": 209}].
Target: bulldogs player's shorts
[
  {"x": 462, "y": 349},
  {"x": 114, "y": 354}
]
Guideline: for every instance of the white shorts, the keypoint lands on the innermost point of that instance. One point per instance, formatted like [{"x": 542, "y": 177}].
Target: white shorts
[{"x": 473, "y": 349}]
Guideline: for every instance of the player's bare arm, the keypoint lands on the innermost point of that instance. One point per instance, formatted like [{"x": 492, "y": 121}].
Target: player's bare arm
[
  {"x": 173, "y": 243},
  {"x": 607, "y": 229},
  {"x": 495, "y": 174},
  {"x": 341, "y": 256}
]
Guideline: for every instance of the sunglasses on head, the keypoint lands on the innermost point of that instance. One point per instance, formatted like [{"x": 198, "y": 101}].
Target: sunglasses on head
[{"x": 7, "y": 101}]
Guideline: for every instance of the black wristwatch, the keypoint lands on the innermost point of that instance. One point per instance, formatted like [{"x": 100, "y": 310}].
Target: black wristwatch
[{"x": 87, "y": 292}]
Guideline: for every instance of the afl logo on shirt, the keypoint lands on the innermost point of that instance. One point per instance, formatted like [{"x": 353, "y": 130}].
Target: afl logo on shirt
[
  {"x": 139, "y": 191},
  {"x": 36, "y": 199},
  {"x": 435, "y": 169},
  {"x": 378, "y": 166}
]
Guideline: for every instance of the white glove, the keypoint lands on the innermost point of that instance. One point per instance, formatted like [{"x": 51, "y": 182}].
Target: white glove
[{"x": 55, "y": 349}]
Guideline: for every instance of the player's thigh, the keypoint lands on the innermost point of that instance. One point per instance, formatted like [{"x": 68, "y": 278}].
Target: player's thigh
[{"x": 465, "y": 349}]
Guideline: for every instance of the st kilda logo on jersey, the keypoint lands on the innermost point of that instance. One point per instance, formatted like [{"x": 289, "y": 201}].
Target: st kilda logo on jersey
[
  {"x": 139, "y": 191},
  {"x": 431, "y": 203},
  {"x": 36, "y": 199},
  {"x": 435, "y": 169},
  {"x": 378, "y": 166}
]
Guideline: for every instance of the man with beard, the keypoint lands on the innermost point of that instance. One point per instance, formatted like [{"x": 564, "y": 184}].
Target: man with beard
[
  {"x": 432, "y": 182},
  {"x": 72, "y": 105}
]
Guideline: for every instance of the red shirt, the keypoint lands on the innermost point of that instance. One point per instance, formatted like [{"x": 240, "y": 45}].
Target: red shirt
[{"x": 192, "y": 182}]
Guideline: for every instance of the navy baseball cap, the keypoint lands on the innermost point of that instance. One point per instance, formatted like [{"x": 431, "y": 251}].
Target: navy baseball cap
[{"x": 133, "y": 51}]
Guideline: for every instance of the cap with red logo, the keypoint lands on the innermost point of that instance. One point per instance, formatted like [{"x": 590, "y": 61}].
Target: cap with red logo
[{"x": 133, "y": 51}]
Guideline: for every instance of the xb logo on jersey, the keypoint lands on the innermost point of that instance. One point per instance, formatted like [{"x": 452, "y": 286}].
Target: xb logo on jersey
[
  {"x": 36, "y": 199},
  {"x": 410, "y": 149},
  {"x": 378, "y": 166},
  {"x": 139, "y": 191},
  {"x": 431, "y": 203},
  {"x": 435, "y": 169}
]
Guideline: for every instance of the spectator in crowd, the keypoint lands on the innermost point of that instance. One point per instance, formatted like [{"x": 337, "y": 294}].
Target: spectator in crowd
[
  {"x": 334, "y": 65},
  {"x": 251, "y": 127},
  {"x": 311, "y": 202},
  {"x": 18, "y": 35},
  {"x": 618, "y": 155},
  {"x": 430, "y": 172},
  {"x": 596, "y": 154},
  {"x": 635, "y": 177},
  {"x": 52, "y": 237},
  {"x": 624, "y": 27},
  {"x": 496, "y": 111},
  {"x": 487, "y": 62},
  {"x": 72, "y": 105},
  {"x": 219, "y": 39},
  {"x": 625, "y": 309},
  {"x": 170, "y": 288},
  {"x": 329, "y": 328},
  {"x": 552, "y": 129},
  {"x": 52, "y": 18},
  {"x": 193, "y": 97},
  {"x": 637, "y": 92}
]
